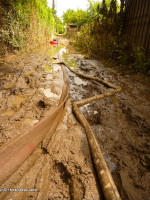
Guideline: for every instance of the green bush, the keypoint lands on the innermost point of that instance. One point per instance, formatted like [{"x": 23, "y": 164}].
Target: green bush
[
  {"x": 104, "y": 38},
  {"x": 16, "y": 21}
]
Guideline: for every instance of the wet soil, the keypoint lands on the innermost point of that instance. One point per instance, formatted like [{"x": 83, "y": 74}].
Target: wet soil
[
  {"x": 121, "y": 124},
  {"x": 30, "y": 87}
]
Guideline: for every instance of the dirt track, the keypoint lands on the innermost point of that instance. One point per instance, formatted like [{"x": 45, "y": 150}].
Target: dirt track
[{"x": 30, "y": 88}]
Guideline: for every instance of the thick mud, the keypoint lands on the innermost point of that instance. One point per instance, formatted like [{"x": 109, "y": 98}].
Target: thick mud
[
  {"x": 30, "y": 87},
  {"x": 121, "y": 124},
  {"x": 62, "y": 169}
]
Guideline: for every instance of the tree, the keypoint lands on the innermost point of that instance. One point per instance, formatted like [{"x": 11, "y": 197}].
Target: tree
[
  {"x": 78, "y": 17},
  {"x": 59, "y": 26}
]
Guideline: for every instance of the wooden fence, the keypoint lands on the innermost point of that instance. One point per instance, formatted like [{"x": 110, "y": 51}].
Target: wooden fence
[{"x": 138, "y": 23}]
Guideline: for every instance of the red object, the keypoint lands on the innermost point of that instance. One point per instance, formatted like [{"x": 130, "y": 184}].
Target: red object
[{"x": 52, "y": 42}]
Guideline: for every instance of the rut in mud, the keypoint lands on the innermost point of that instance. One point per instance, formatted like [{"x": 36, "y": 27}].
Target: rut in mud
[{"x": 31, "y": 86}]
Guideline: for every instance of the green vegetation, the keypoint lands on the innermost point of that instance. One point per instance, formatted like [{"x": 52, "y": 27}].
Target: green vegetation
[
  {"x": 78, "y": 17},
  {"x": 81, "y": 17},
  {"x": 24, "y": 24},
  {"x": 59, "y": 26},
  {"x": 102, "y": 34}
]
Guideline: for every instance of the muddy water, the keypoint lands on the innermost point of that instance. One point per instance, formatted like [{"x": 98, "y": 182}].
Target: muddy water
[{"x": 121, "y": 124}]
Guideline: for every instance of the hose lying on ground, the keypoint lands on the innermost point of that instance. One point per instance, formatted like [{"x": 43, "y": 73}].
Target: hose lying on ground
[{"x": 106, "y": 181}]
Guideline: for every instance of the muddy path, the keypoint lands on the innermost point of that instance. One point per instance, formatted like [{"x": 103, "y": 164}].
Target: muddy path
[
  {"x": 30, "y": 87},
  {"x": 121, "y": 124}
]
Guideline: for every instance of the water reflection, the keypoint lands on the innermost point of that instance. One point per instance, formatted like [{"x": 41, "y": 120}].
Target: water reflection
[
  {"x": 52, "y": 50},
  {"x": 57, "y": 51},
  {"x": 72, "y": 63}
]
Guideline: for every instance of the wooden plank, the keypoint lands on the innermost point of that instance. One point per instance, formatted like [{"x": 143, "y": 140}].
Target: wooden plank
[
  {"x": 129, "y": 14},
  {"x": 140, "y": 21},
  {"x": 134, "y": 20},
  {"x": 144, "y": 26},
  {"x": 146, "y": 31},
  {"x": 137, "y": 24}
]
